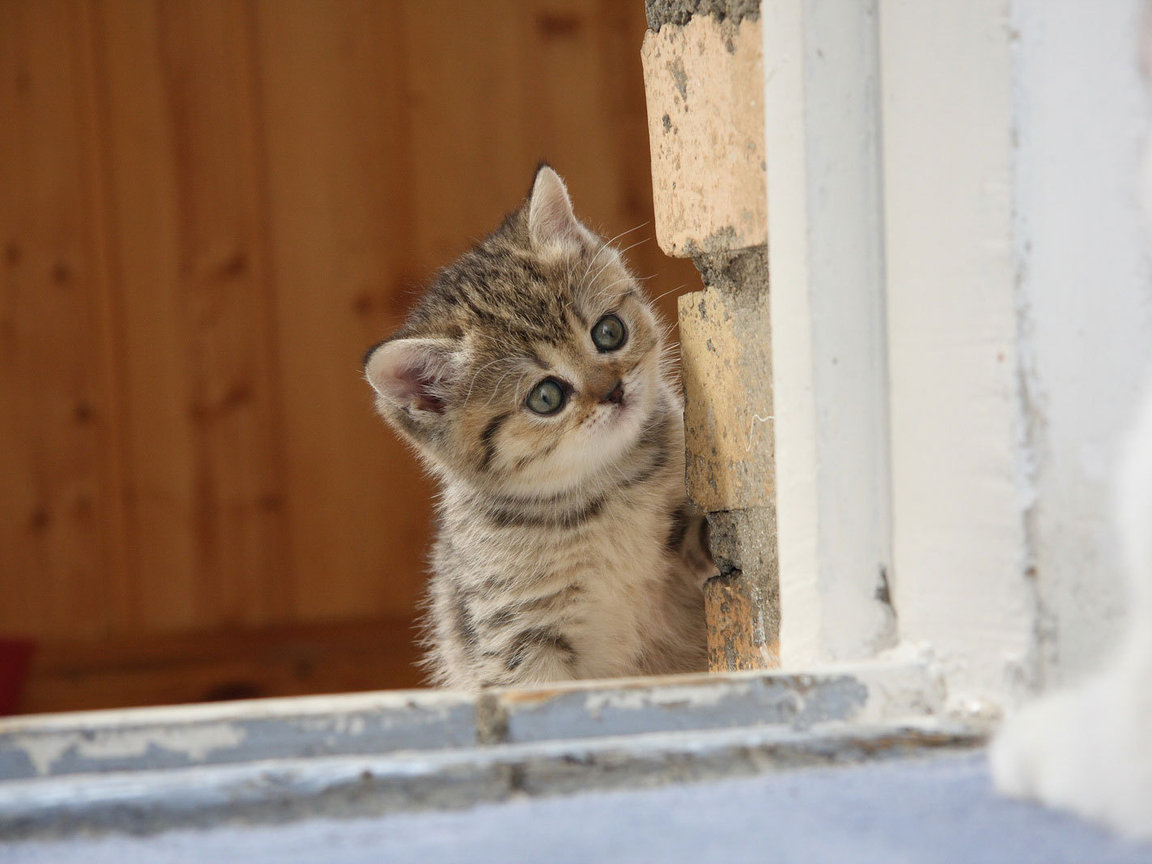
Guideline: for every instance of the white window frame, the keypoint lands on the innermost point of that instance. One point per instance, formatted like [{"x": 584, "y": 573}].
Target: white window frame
[
  {"x": 934, "y": 210},
  {"x": 898, "y": 414}
]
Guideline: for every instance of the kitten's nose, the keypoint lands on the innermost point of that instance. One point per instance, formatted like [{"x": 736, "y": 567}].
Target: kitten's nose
[{"x": 615, "y": 395}]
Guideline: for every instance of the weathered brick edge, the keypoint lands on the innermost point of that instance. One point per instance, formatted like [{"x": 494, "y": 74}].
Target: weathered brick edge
[
  {"x": 728, "y": 425},
  {"x": 704, "y": 85},
  {"x": 703, "y": 70},
  {"x": 680, "y": 12}
]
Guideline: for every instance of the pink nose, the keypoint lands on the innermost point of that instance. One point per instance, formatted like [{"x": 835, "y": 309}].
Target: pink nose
[{"x": 615, "y": 395}]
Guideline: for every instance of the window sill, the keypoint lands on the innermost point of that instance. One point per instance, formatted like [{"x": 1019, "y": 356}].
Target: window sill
[{"x": 277, "y": 760}]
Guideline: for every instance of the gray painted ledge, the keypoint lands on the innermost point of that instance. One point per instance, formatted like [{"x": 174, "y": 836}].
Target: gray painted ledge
[
  {"x": 281, "y": 761},
  {"x": 931, "y": 809},
  {"x": 284, "y": 791},
  {"x": 150, "y": 739},
  {"x": 852, "y": 764}
]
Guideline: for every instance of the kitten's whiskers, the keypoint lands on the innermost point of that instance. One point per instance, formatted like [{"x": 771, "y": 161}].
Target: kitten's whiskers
[
  {"x": 476, "y": 374},
  {"x": 499, "y": 380},
  {"x": 606, "y": 244},
  {"x": 666, "y": 293},
  {"x": 609, "y": 261}
]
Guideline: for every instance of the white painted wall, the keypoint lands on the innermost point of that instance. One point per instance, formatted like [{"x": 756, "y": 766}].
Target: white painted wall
[
  {"x": 958, "y": 531},
  {"x": 1019, "y": 322},
  {"x": 1085, "y": 299},
  {"x": 825, "y": 257}
]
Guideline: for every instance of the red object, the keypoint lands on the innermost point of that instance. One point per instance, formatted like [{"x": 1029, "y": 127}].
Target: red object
[{"x": 15, "y": 657}]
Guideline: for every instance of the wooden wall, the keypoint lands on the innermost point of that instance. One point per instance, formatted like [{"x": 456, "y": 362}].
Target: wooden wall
[{"x": 208, "y": 210}]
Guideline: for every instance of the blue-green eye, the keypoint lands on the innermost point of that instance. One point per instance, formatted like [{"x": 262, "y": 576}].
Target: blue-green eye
[
  {"x": 609, "y": 333},
  {"x": 547, "y": 397}
]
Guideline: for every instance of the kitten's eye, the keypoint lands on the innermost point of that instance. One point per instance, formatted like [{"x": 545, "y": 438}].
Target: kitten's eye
[
  {"x": 609, "y": 333},
  {"x": 547, "y": 397}
]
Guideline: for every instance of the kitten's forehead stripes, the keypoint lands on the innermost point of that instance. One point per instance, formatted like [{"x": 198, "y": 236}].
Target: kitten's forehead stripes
[{"x": 501, "y": 286}]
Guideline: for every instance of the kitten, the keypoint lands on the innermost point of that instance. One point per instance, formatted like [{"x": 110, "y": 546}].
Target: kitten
[
  {"x": 1089, "y": 748},
  {"x": 531, "y": 380}
]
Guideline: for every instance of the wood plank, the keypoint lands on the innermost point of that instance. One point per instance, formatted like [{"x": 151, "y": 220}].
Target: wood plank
[
  {"x": 292, "y": 660},
  {"x": 199, "y": 358},
  {"x": 60, "y": 515},
  {"x": 207, "y": 211},
  {"x": 336, "y": 131},
  {"x": 559, "y": 81}
]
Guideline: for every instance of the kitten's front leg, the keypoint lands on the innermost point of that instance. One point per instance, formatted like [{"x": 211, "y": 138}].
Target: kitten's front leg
[
  {"x": 535, "y": 655},
  {"x": 688, "y": 540}
]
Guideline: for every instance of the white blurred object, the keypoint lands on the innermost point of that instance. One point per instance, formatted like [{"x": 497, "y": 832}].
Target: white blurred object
[{"x": 1089, "y": 748}]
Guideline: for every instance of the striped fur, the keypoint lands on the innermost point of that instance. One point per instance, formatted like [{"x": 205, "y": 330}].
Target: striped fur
[{"x": 566, "y": 547}]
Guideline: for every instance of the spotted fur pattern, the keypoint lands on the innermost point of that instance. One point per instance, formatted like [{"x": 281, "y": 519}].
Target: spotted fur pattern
[{"x": 566, "y": 547}]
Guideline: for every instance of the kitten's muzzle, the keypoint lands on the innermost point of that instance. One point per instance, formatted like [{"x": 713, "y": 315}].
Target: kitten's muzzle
[{"x": 614, "y": 396}]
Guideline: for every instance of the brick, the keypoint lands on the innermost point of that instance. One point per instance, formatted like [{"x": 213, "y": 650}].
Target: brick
[
  {"x": 728, "y": 422},
  {"x": 663, "y": 12},
  {"x": 705, "y": 90},
  {"x": 742, "y": 605},
  {"x": 731, "y": 602}
]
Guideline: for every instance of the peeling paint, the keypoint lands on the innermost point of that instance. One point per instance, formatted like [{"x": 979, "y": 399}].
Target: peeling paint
[
  {"x": 113, "y": 770},
  {"x": 139, "y": 739},
  {"x": 663, "y": 697},
  {"x": 192, "y": 742}
]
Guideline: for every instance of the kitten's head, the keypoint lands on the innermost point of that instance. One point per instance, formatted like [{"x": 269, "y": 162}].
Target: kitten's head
[{"x": 532, "y": 363}]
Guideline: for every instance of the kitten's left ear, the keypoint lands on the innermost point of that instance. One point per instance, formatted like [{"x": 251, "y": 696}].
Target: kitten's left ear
[
  {"x": 551, "y": 223},
  {"x": 415, "y": 375}
]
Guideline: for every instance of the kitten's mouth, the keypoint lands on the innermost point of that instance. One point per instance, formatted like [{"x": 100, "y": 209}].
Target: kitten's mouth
[{"x": 614, "y": 396}]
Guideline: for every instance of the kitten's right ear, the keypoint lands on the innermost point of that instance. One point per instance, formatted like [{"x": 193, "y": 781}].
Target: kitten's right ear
[
  {"x": 412, "y": 374},
  {"x": 552, "y": 225}
]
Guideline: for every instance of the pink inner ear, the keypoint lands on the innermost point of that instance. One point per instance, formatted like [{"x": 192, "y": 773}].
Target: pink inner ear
[
  {"x": 550, "y": 217},
  {"x": 418, "y": 383},
  {"x": 411, "y": 373}
]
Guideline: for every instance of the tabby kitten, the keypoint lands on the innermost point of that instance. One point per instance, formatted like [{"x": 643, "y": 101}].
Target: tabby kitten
[{"x": 531, "y": 381}]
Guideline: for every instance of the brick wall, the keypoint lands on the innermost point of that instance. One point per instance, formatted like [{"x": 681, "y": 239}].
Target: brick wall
[{"x": 703, "y": 74}]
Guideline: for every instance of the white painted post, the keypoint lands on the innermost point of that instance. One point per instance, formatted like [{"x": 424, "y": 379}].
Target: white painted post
[
  {"x": 1085, "y": 301},
  {"x": 958, "y": 454},
  {"x": 828, "y": 343}
]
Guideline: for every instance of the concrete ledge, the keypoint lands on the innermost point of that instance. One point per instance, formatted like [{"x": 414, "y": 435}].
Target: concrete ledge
[
  {"x": 345, "y": 787},
  {"x": 148, "y": 770},
  {"x": 145, "y": 739},
  {"x": 150, "y": 739}
]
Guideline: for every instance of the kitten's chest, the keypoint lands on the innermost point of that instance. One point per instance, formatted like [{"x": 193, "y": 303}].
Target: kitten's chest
[
  {"x": 623, "y": 545},
  {"x": 610, "y": 571}
]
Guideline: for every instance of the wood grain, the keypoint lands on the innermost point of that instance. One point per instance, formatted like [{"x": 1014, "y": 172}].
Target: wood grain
[
  {"x": 61, "y": 536},
  {"x": 209, "y": 209},
  {"x": 284, "y": 660},
  {"x": 340, "y": 227}
]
